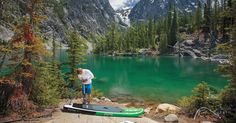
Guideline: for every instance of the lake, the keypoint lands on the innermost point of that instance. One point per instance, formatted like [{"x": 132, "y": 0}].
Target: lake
[{"x": 161, "y": 78}]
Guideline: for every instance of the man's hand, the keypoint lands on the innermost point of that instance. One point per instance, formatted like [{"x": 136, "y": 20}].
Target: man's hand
[{"x": 84, "y": 80}]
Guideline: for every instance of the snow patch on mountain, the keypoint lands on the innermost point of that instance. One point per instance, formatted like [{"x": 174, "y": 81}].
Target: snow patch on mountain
[
  {"x": 120, "y": 4},
  {"x": 124, "y": 14},
  {"x": 123, "y": 8}
]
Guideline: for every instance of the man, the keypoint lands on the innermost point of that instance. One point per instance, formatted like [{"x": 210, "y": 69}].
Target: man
[{"x": 86, "y": 76}]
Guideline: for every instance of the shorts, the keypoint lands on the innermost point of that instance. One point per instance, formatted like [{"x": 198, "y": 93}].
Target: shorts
[{"x": 86, "y": 89}]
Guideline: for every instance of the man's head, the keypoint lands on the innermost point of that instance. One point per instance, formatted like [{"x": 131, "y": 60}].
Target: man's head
[{"x": 79, "y": 70}]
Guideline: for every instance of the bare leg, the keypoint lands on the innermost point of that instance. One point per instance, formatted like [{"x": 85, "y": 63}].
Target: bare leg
[
  {"x": 89, "y": 98},
  {"x": 84, "y": 98}
]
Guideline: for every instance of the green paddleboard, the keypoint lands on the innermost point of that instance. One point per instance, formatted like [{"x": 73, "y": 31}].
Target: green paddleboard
[{"x": 101, "y": 110}]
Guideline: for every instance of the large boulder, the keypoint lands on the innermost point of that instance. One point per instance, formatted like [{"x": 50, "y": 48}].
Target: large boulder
[
  {"x": 171, "y": 118},
  {"x": 167, "y": 108}
]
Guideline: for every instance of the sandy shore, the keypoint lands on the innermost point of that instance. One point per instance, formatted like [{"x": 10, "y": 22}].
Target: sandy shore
[{"x": 64, "y": 117}]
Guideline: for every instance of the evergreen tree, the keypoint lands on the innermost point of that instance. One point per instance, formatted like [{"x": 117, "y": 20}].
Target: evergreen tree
[
  {"x": 76, "y": 54},
  {"x": 163, "y": 43},
  {"x": 169, "y": 17},
  {"x": 49, "y": 85},
  {"x": 173, "y": 30},
  {"x": 150, "y": 32},
  {"x": 228, "y": 95},
  {"x": 1, "y": 9},
  {"x": 112, "y": 38},
  {"x": 198, "y": 17}
]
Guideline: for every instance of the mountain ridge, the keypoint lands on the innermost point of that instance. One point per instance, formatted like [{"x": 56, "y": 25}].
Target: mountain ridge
[
  {"x": 157, "y": 9},
  {"x": 84, "y": 16}
]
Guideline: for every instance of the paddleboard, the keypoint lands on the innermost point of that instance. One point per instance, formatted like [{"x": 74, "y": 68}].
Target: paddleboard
[{"x": 101, "y": 110}]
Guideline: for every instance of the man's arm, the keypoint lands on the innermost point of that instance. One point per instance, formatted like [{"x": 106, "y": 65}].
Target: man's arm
[
  {"x": 91, "y": 76},
  {"x": 79, "y": 77}
]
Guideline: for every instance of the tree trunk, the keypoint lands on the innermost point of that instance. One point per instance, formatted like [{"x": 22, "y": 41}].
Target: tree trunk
[
  {"x": 2, "y": 60},
  {"x": 1, "y": 9}
]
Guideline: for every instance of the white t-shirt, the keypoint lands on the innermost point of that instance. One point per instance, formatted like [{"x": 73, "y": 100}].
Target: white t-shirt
[{"x": 86, "y": 74}]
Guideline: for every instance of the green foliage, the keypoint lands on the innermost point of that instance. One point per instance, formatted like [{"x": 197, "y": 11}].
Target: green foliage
[
  {"x": 227, "y": 96},
  {"x": 173, "y": 30},
  {"x": 198, "y": 17},
  {"x": 97, "y": 93},
  {"x": 140, "y": 35},
  {"x": 58, "y": 8},
  {"x": 163, "y": 43},
  {"x": 112, "y": 38},
  {"x": 203, "y": 96},
  {"x": 49, "y": 85},
  {"x": 76, "y": 53},
  {"x": 150, "y": 35}
]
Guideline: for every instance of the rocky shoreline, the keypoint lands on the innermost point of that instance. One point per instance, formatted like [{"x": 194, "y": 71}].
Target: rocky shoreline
[
  {"x": 163, "y": 112},
  {"x": 160, "y": 113}
]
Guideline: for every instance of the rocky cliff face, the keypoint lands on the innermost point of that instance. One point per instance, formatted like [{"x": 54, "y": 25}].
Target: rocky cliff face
[
  {"x": 124, "y": 15},
  {"x": 156, "y": 9},
  {"x": 86, "y": 16}
]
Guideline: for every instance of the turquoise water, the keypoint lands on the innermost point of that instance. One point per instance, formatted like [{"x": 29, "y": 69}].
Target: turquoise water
[{"x": 162, "y": 79}]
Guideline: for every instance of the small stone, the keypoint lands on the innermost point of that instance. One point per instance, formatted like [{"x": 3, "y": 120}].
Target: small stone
[
  {"x": 96, "y": 100},
  {"x": 105, "y": 99},
  {"x": 127, "y": 122},
  {"x": 171, "y": 118},
  {"x": 147, "y": 110},
  {"x": 206, "y": 122}
]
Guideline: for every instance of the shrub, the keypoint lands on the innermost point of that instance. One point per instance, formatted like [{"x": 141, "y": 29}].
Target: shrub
[
  {"x": 228, "y": 101},
  {"x": 49, "y": 85},
  {"x": 203, "y": 96}
]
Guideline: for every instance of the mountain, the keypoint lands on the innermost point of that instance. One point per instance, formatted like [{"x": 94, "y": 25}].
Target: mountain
[
  {"x": 124, "y": 10},
  {"x": 157, "y": 9},
  {"x": 131, "y": 3},
  {"x": 124, "y": 14},
  {"x": 85, "y": 16}
]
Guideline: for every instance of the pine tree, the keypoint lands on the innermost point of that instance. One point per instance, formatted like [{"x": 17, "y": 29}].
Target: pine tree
[
  {"x": 169, "y": 17},
  {"x": 1, "y": 9},
  {"x": 163, "y": 43},
  {"x": 173, "y": 30},
  {"x": 150, "y": 32},
  {"x": 228, "y": 95},
  {"x": 198, "y": 17},
  {"x": 112, "y": 38},
  {"x": 76, "y": 54},
  {"x": 27, "y": 46}
]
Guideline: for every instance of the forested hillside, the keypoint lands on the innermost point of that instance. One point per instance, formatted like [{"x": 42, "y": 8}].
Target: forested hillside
[{"x": 196, "y": 33}]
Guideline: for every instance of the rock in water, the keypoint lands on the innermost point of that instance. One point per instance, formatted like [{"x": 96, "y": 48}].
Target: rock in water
[
  {"x": 171, "y": 118},
  {"x": 167, "y": 108}
]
